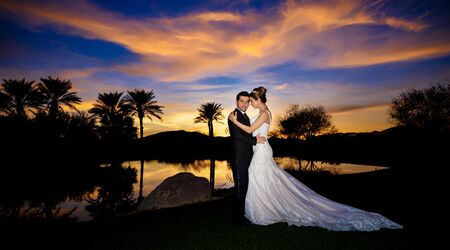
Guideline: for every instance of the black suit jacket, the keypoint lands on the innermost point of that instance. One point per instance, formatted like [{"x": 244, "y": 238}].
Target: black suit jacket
[{"x": 241, "y": 142}]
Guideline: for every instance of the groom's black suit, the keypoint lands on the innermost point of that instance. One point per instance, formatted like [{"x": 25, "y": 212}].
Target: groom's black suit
[{"x": 240, "y": 157}]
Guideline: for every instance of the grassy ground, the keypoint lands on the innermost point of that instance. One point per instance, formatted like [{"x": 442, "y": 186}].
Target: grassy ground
[{"x": 208, "y": 225}]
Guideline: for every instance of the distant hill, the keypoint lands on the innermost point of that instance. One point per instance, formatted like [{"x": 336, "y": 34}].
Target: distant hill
[
  {"x": 377, "y": 147},
  {"x": 181, "y": 144},
  {"x": 397, "y": 144}
]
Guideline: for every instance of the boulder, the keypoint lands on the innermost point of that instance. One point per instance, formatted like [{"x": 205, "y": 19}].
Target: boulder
[{"x": 180, "y": 189}]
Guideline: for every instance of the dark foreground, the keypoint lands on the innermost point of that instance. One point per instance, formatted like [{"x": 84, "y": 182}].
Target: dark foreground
[{"x": 413, "y": 200}]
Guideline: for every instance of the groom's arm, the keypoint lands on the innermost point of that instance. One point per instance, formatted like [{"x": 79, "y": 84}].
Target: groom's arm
[{"x": 239, "y": 134}]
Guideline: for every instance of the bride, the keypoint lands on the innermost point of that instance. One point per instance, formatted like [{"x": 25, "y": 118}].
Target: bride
[{"x": 275, "y": 196}]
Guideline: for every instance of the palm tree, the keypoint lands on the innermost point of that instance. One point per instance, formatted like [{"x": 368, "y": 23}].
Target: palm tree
[
  {"x": 18, "y": 97},
  {"x": 113, "y": 112},
  {"x": 55, "y": 93},
  {"x": 81, "y": 127},
  {"x": 209, "y": 112},
  {"x": 142, "y": 104}
]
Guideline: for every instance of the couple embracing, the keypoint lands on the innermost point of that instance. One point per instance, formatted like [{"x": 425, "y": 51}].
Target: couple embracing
[{"x": 267, "y": 194}]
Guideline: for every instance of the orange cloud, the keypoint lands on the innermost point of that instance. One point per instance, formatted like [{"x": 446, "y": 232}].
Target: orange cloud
[
  {"x": 355, "y": 54},
  {"x": 184, "y": 48},
  {"x": 324, "y": 16},
  {"x": 282, "y": 86},
  {"x": 349, "y": 109},
  {"x": 405, "y": 24},
  {"x": 326, "y": 34}
]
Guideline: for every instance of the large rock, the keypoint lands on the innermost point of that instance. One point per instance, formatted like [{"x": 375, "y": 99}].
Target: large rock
[{"x": 182, "y": 188}]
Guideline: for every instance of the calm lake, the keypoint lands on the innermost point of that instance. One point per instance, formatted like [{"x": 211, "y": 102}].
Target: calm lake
[{"x": 155, "y": 172}]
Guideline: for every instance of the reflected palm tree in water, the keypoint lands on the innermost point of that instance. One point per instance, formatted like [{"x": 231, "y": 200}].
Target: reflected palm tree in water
[
  {"x": 302, "y": 165},
  {"x": 141, "y": 182},
  {"x": 308, "y": 166},
  {"x": 313, "y": 166},
  {"x": 114, "y": 194}
]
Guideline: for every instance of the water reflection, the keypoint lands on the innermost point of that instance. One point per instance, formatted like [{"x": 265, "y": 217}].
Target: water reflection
[
  {"x": 37, "y": 191},
  {"x": 141, "y": 181},
  {"x": 156, "y": 171},
  {"x": 115, "y": 192},
  {"x": 323, "y": 166},
  {"x": 98, "y": 191}
]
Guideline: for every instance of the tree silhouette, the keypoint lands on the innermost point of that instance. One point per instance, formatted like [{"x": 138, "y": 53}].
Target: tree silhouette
[
  {"x": 142, "y": 104},
  {"x": 428, "y": 108},
  {"x": 81, "y": 128},
  {"x": 114, "y": 195},
  {"x": 19, "y": 97},
  {"x": 305, "y": 123},
  {"x": 3, "y": 103},
  {"x": 55, "y": 93},
  {"x": 209, "y": 112},
  {"x": 113, "y": 113}
]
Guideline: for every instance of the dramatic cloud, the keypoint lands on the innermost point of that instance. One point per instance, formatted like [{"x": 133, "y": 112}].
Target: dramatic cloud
[
  {"x": 191, "y": 46},
  {"x": 304, "y": 52}
]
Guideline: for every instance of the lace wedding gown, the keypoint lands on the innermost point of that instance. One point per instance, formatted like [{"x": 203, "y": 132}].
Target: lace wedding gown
[{"x": 274, "y": 195}]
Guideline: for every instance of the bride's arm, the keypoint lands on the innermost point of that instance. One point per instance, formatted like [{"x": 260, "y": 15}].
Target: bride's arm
[{"x": 249, "y": 129}]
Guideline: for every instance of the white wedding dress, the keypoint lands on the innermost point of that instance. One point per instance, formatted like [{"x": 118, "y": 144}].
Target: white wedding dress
[{"x": 274, "y": 196}]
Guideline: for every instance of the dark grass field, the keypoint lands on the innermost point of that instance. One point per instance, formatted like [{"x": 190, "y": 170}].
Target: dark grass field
[{"x": 410, "y": 198}]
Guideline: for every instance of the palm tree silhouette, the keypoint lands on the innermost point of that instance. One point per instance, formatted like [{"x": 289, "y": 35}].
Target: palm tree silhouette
[
  {"x": 55, "y": 93},
  {"x": 209, "y": 112},
  {"x": 142, "y": 104},
  {"x": 112, "y": 110},
  {"x": 19, "y": 96}
]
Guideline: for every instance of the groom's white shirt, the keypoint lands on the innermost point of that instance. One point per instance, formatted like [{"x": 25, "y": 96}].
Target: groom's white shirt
[{"x": 241, "y": 111}]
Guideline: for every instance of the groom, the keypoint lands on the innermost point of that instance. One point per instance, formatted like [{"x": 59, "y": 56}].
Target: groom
[{"x": 241, "y": 155}]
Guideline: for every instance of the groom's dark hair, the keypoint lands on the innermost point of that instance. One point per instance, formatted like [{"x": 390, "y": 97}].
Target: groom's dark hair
[{"x": 242, "y": 93}]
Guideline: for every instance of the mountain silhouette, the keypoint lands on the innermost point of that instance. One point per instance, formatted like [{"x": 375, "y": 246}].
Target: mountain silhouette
[
  {"x": 180, "y": 144},
  {"x": 377, "y": 147}
]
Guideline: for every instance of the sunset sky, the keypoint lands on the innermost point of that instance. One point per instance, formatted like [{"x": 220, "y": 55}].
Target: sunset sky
[{"x": 350, "y": 56}]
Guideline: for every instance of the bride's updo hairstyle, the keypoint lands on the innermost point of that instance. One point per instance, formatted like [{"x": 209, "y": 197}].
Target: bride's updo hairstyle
[{"x": 259, "y": 93}]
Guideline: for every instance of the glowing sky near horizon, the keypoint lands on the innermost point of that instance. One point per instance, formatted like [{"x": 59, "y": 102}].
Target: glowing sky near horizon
[{"x": 350, "y": 56}]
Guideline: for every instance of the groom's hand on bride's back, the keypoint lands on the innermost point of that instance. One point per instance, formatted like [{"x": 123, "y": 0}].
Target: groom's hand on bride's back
[{"x": 260, "y": 139}]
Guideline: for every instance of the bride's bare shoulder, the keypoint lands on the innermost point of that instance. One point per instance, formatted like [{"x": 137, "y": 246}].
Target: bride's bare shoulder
[{"x": 264, "y": 115}]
